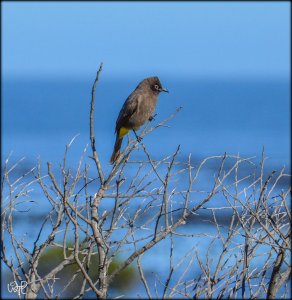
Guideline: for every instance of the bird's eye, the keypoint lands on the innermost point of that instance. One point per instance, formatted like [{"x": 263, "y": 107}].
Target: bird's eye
[{"x": 156, "y": 87}]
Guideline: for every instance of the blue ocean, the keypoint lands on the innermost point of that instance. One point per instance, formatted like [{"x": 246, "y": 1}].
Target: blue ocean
[
  {"x": 239, "y": 116},
  {"x": 40, "y": 116}
]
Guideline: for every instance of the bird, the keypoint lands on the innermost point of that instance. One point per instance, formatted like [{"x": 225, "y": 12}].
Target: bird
[{"x": 137, "y": 109}]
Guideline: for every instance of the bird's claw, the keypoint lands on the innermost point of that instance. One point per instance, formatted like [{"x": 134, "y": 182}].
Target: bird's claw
[
  {"x": 151, "y": 118},
  {"x": 139, "y": 139}
]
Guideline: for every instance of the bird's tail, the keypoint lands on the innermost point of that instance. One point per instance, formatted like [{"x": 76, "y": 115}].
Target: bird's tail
[{"x": 117, "y": 148}]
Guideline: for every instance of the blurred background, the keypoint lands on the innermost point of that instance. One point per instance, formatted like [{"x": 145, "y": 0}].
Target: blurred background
[{"x": 226, "y": 64}]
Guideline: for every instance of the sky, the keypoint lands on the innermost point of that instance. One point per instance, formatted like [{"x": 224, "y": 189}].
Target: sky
[{"x": 174, "y": 38}]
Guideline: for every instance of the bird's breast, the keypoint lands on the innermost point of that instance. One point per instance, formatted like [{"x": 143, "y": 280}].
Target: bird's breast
[{"x": 145, "y": 109}]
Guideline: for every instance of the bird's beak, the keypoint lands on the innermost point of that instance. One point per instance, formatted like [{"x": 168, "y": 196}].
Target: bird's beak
[{"x": 164, "y": 90}]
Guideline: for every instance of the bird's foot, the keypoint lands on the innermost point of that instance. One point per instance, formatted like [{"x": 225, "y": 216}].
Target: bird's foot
[
  {"x": 151, "y": 118},
  {"x": 139, "y": 139}
]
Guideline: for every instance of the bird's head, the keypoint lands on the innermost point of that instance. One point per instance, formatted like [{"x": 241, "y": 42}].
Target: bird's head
[{"x": 154, "y": 84}]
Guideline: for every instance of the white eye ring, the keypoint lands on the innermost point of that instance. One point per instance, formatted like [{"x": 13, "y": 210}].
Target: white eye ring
[{"x": 156, "y": 87}]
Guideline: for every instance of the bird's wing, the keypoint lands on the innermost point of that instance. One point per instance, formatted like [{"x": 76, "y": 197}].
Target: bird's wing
[{"x": 129, "y": 108}]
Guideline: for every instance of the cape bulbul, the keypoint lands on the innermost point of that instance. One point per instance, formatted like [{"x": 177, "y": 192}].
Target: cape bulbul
[{"x": 137, "y": 109}]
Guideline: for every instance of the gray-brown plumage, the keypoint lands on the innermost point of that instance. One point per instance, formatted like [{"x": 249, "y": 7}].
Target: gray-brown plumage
[{"x": 137, "y": 109}]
